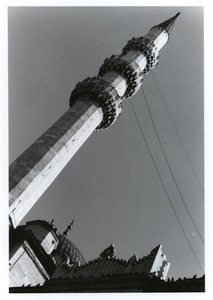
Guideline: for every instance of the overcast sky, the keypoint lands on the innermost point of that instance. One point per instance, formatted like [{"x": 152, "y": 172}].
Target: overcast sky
[{"x": 111, "y": 187}]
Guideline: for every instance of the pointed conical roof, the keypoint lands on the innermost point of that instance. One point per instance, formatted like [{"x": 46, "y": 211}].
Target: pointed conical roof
[
  {"x": 168, "y": 24},
  {"x": 155, "y": 250}
]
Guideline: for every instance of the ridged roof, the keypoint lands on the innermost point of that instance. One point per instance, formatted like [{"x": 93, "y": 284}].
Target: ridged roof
[{"x": 106, "y": 265}]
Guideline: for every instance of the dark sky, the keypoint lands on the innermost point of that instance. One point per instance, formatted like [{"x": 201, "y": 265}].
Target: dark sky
[{"x": 111, "y": 187}]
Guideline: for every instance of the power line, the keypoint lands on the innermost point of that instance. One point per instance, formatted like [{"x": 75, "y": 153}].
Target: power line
[
  {"x": 168, "y": 164},
  {"x": 161, "y": 180},
  {"x": 190, "y": 162}
]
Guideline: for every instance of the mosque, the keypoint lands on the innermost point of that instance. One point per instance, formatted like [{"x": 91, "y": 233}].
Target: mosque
[{"x": 44, "y": 260}]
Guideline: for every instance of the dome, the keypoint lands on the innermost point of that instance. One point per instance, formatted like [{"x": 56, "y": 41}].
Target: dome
[{"x": 67, "y": 249}]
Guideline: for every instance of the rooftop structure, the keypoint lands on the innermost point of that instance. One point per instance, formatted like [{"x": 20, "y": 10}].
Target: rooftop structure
[{"x": 39, "y": 253}]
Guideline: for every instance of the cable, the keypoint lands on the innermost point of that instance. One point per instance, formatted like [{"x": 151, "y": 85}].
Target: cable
[
  {"x": 167, "y": 162},
  {"x": 190, "y": 162},
  {"x": 161, "y": 180}
]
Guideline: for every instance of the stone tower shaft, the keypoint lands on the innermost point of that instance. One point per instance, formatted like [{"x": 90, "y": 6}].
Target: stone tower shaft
[{"x": 95, "y": 104}]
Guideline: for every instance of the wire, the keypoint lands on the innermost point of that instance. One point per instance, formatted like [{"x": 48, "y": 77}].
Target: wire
[
  {"x": 167, "y": 162},
  {"x": 161, "y": 180},
  {"x": 190, "y": 162}
]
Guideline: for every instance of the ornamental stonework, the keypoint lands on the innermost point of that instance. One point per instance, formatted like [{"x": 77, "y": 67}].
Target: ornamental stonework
[{"x": 104, "y": 94}]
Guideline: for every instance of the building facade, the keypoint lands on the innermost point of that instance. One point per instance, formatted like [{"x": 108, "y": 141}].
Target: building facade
[
  {"x": 38, "y": 253},
  {"x": 125, "y": 283}
]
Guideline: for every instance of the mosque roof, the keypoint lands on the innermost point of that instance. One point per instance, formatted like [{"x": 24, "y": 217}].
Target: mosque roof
[
  {"x": 109, "y": 264},
  {"x": 67, "y": 249}
]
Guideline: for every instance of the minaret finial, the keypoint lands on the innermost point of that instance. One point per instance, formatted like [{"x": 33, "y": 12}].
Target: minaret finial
[
  {"x": 168, "y": 24},
  {"x": 69, "y": 227}
]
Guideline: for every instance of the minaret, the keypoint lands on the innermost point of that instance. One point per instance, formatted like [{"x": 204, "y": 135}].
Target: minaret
[{"x": 95, "y": 104}]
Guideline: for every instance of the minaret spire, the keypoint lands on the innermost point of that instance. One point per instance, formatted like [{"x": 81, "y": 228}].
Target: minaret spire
[{"x": 168, "y": 24}]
